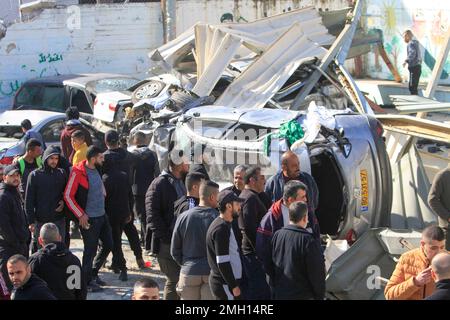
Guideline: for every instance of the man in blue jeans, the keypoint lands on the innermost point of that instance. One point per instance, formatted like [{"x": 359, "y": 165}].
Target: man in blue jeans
[{"x": 85, "y": 197}]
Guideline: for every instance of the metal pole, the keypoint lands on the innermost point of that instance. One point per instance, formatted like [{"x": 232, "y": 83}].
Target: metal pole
[
  {"x": 171, "y": 9},
  {"x": 20, "y": 11}
]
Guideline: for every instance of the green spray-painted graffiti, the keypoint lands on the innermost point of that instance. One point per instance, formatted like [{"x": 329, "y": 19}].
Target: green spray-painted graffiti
[
  {"x": 54, "y": 57},
  {"x": 8, "y": 89}
]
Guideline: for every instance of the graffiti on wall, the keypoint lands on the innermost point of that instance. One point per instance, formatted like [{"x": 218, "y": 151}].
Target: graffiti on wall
[
  {"x": 9, "y": 88},
  {"x": 428, "y": 22},
  {"x": 54, "y": 57}
]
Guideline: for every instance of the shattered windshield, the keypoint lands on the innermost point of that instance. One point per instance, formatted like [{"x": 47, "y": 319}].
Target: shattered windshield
[{"x": 111, "y": 84}]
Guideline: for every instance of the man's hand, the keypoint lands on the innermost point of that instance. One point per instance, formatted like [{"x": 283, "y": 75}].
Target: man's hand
[
  {"x": 423, "y": 277},
  {"x": 84, "y": 221},
  {"x": 128, "y": 219},
  {"x": 60, "y": 206},
  {"x": 404, "y": 64},
  {"x": 236, "y": 292},
  {"x": 31, "y": 227}
]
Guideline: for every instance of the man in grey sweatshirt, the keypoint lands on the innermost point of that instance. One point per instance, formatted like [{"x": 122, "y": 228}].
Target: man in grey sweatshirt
[{"x": 188, "y": 246}]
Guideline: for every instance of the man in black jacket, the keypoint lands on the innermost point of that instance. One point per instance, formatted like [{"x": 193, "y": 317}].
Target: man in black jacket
[
  {"x": 27, "y": 286},
  {"x": 297, "y": 269},
  {"x": 223, "y": 249},
  {"x": 159, "y": 205},
  {"x": 125, "y": 162},
  {"x": 57, "y": 266},
  {"x": 440, "y": 271},
  {"x": 145, "y": 170},
  {"x": 14, "y": 234},
  {"x": 253, "y": 210},
  {"x": 44, "y": 196},
  {"x": 238, "y": 179},
  {"x": 118, "y": 207},
  {"x": 192, "y": 199}
]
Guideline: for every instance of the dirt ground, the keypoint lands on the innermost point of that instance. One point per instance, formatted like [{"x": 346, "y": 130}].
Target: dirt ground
[{"x": 116, "y": 289}]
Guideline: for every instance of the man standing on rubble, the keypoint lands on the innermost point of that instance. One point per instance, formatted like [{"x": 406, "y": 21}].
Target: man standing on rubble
[
  {"x": 439, "y": 199},
  {"x": 412, "y": 279},
  {"x": 413, "y": 60}
]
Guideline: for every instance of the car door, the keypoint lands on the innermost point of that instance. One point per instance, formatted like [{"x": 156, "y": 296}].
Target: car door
[
  {"x": 79, "y": 99},
  {"x": 51, "y": 132}
]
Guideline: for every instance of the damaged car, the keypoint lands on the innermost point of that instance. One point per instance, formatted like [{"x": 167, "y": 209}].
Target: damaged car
[{"x": 291, "y": 74}]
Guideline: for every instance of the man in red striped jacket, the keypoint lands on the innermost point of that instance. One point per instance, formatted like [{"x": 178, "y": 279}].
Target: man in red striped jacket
[{"x": 85, "y": 197}]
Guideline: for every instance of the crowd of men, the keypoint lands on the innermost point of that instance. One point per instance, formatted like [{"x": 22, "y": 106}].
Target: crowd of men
[{"x": 257, "y": 239}]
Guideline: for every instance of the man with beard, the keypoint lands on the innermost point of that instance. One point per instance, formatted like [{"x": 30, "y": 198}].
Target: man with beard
[
  {"x": 159, "y": 206},
  {"x": 85, "y": 198},
  {"x": 290, "y": 170},
  {"x": 223, "y": 250},
  {"x": 14, "y": 234},
  {"x": 44, "y": 196},
  {"x": 27, "y": 286}
]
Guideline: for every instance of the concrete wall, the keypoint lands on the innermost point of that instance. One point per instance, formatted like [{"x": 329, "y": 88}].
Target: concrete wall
[
  {"x": 110, "y": 38},
  {"x": 428, "y": 20},
  {"x": 191, "y": 11}
]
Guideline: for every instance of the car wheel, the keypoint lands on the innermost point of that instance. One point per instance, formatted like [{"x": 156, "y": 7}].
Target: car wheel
[{"x": 149, "y": 89}]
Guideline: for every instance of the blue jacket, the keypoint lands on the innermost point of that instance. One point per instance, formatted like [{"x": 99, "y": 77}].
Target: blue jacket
[{"x": 275, "y": 184}]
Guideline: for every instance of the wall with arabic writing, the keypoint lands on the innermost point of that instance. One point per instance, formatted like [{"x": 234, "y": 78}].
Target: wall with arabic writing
[
  {"x": 106, "y": 38},
  {"x": 428, "y": 20}
]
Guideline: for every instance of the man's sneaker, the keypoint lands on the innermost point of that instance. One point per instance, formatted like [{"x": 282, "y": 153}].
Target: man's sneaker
[
  {"x": 98, "y": 281},
  {"x": 123, "y": 275},
  {"x": 93, "y": 287},
  {"x": 141, "y": 263}
]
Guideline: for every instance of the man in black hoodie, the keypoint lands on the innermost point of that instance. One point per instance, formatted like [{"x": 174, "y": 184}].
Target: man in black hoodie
[
  {"x": 44, "y": 196},
  {"x": 146, "y": 169},
  {"x": 124, "y": 161},
  {"x": 57, "y": 266},
  {"x": 14, "y": 234},
  {"x": 118, "y": 207},
  {"x": 27, "y": 286}
]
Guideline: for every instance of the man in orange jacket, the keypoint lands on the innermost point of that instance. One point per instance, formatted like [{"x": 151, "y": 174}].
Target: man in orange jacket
[{"x": 412, "y": 279}]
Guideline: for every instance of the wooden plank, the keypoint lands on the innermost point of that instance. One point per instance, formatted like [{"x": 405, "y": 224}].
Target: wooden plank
[
  {"x": 386, "y": 60},
  {"x": 416, "y": 127},
  {"x": 405, "y": 109}
]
